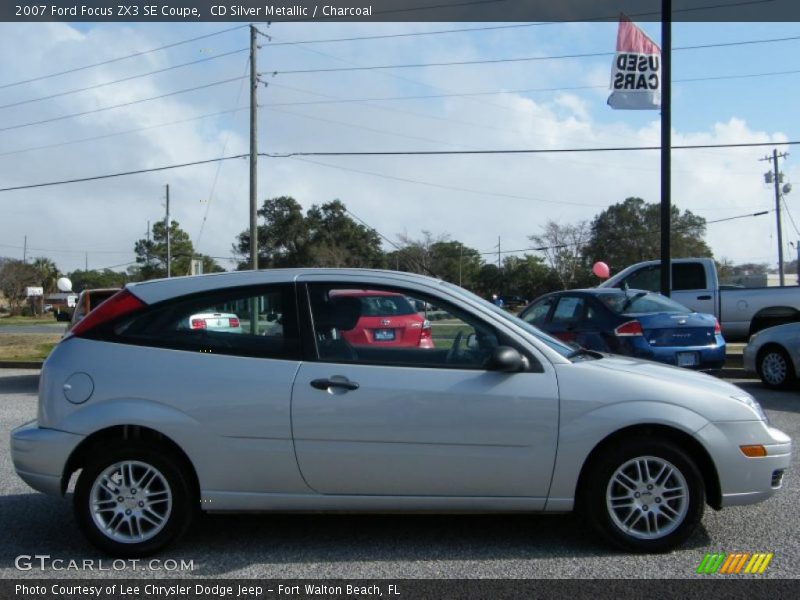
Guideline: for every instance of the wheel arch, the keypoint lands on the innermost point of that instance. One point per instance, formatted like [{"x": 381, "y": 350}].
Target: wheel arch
[
  {"x": 686, "y": 441},
  {"x": 82, "y": 451},
  {"x": 773, "y": 315}
]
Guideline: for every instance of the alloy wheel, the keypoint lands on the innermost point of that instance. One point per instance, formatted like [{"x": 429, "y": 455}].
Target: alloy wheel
[
  {"x": 774, "y": 368},
  {"x": 130, "y": 502},
  {"x": 647, "y": 497}
]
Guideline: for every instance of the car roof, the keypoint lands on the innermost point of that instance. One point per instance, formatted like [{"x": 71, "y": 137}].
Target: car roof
[
  {"x": 156, "y": 290},
  {"x": 363, "y": 293}
]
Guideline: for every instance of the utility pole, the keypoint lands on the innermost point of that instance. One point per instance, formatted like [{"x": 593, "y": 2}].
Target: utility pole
[
  {"x": 147, "y": 254},
  {"x": 666, "y": 146},
  {"x": 169, "y": 248},
  {"x": 253, "y": 150},
  {"x": 86, "y": 261},
  {"x": 460, "y": 257},
  {"x": 776, "y": 177},
  {"x": 25, "y": 250},
  {"x": 498, "y": 252}
]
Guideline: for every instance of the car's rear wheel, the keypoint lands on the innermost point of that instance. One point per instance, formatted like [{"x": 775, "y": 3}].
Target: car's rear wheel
[
  {"x": 775, "y": 367},
  {"x": 132, "y": 499},
  {"x": 644, "y": 495}
]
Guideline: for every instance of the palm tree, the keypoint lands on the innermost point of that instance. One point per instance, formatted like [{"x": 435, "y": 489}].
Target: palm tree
[{"x": 48, "y": 273}]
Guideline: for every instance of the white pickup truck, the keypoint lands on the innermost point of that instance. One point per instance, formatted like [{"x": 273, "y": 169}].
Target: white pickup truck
[{"x": 740, "y": 311}]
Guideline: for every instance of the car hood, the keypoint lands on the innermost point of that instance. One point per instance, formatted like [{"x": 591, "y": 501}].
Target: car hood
[{"x": 665, "y": 373}]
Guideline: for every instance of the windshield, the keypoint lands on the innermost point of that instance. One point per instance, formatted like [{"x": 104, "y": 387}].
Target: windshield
[
  {"x": 634, "y": 302},
  {"x": 553, "y": 343}
]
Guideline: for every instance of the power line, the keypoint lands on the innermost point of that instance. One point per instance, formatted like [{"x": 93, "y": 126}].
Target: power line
[
  {"x": 503, "y": 92},
  {"x": 399, "y": 153},
  {"x": 521, "y": 58},
  {"x": 447, "y": 187},
  {"x": 132, "y": 102},
  {"x": 791, "y": 218},
  {"x": 125, "y": 132},
  {"x": 123, "y": 79},
  {"x": 119, "y": 58},
  {"x": 524, "y": 150},
  {"x": 122, "y": 174},
  {"x": 542, "y": 248}
]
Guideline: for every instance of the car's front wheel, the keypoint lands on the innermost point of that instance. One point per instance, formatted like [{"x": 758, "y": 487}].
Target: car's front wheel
[
  {"x": 775, "y": 367},
  {"x": 644, "y": 495},
  {"x": 132, "y": 499}
]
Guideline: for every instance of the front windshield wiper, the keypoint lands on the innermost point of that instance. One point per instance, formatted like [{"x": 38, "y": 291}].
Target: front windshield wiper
[{"x": 581, "y": 351}]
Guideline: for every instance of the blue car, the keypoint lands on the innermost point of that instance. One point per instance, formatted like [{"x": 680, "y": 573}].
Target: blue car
[{"x": 631, "y": 322}]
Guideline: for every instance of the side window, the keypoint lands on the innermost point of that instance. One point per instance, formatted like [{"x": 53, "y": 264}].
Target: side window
[
  {"x": 260, "y": 323},
  {"x": 688, "y": 276},
  {"x": 646, "y": 278},
  {"x": 537, "y": 313},
  {"x": 390, "y": 326},
  {"x": 569, "y": 309}
]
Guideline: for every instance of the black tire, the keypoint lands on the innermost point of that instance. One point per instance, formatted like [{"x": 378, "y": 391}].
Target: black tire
[
  {"x": 686, "y": 513},
  {"x": 176, "y": 518},
  {"x": 775, "y": 367}
]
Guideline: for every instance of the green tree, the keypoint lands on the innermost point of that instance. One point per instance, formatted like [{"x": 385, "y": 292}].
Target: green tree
[
  {"x": 47, "y": 272},
  {"x": 629, "y": 232},
  {"x": 151, "y": 255},
  {"x": 15, "y": 276},
  {"x": 93, "y": 279},
  {"x": 563, "y": 248},
  {"x": 326, "y": 236}
]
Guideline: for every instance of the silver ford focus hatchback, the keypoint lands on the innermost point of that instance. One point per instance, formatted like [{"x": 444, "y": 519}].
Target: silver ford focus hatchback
[{"x": 323, "y": 396}]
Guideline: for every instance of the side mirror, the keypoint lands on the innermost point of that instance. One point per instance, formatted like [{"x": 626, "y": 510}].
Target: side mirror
[{"x": 506, "y": 360}]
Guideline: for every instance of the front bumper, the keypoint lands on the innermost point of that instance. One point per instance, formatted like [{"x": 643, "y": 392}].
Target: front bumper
[
  {"x": 40, "y": 454},
  {"x": 746, "y": 480}
]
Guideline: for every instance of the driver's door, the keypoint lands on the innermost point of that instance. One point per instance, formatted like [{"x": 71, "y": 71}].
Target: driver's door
[{"x": 372, "y": 418}]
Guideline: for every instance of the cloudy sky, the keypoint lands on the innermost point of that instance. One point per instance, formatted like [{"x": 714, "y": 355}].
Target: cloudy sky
[{"x": 473, "y": 199}]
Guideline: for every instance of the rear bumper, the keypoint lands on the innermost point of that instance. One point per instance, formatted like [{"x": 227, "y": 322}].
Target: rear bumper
[
  {"x": 746, "y": 480},
  {"x": 709, "y": 357},
  {"x": 40, "y": 454}
]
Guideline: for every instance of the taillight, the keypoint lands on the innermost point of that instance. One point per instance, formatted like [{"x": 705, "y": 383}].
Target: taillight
[
  {"x": 233, "y": 322},
  {"x": 628, "y": 329},
  {"x": 717, "y": 327},
  {"x": 120, "y": 304},
  {"x": 198, "y": 324},
  {"x": 426, "y": 330}
]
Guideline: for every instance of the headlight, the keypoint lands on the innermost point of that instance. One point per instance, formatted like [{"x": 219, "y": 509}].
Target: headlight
[{"x": 752, "y": 403}]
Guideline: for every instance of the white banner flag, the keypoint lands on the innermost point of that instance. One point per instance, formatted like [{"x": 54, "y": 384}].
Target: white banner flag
[{"x": 636, "y": 72}]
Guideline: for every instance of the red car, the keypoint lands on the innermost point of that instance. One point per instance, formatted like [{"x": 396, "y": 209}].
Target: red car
[{"x": 387, "y": 319}]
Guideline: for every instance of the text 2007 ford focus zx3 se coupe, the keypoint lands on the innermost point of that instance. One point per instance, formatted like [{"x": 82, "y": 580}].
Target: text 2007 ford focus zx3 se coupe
[{"x": 284, "y": 414}]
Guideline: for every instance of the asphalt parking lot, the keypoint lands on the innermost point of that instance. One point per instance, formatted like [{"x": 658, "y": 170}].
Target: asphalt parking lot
[{"x": 394, "y": 546}]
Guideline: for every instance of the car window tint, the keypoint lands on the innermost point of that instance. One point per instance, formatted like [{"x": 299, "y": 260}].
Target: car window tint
[
  {"x": 537, "y": 313},
  {"x": 401, "y": 329},
  {"x": 632, "y": 302},
  {"x": 568, "y": 310},
  {"x": 646, "y": 278},
  {"x": 259, "y": 323},
  {"x": 688, "y": 276}
]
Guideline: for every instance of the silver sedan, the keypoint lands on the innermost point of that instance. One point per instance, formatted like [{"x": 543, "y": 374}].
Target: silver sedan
[
  {"x": 774, "y": 354},
  {"x": 161, "y": 420}
]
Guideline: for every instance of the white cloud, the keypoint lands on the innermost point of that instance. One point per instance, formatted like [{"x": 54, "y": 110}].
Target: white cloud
[{"x": 109, "y": 215}]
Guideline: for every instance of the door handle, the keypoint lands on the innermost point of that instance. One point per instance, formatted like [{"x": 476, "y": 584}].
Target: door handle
[
  {"x": 324, "y": 384},
  {"x": 704, "y": 297}
]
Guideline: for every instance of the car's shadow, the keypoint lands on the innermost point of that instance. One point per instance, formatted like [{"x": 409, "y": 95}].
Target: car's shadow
[{"x": 220, "y": 544}]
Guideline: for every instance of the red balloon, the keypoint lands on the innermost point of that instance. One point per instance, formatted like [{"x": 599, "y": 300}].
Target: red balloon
[{"x": 601, "y": 270}]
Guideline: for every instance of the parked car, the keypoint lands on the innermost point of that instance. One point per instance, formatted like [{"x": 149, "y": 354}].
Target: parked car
[
  {"x": 513, "y": 302},
  {"x": 385, "y": 318},
  {"x": 87, "y": 301},
  {"x": 160, "y": 421},
  {"x": 213, "y": 321},
  {"x": 741, "y": 312},
  {"x": 634, "y": 323},
  {"x": 774, "y": 354}
]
